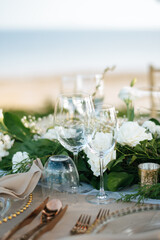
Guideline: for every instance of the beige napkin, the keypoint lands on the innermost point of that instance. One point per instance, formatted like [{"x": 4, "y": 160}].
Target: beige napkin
[{"x": 20, "y": 185}]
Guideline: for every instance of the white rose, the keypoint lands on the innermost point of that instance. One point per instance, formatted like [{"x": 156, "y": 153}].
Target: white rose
[
  {"x": 50, "y": 134},
  {"x": 128, "y": 93},
  {"x": 158, "y": 130},
  {"x": 17, "y": 158},
  {"x": 100, "y": 139},
  {"x": 130, "y": 133},
  {"x": 94, "y": 161},
  {"x": 5, "y": 144},
  {"x": 3, "y": 152},
  {"x": 149, "y": 125},
  {"x": 67, "y": 132}
]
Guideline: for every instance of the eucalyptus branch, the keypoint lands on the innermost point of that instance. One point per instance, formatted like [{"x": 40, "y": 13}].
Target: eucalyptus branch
[
  {"x": 142, "y": 193},
  {"x": 22, "y": 166},
  {"x": 107, "y": 69}
]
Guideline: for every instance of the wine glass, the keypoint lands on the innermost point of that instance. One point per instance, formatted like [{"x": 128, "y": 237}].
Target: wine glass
[
  {"x": 72, "y": 120},
  {"x": 102, "y": 144},
  {"x": 68, "y": 84},
  {"x": 94, "y": 85}
]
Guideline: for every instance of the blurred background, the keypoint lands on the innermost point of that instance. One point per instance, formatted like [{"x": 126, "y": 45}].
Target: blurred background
[{"x": 42, "y": 41}]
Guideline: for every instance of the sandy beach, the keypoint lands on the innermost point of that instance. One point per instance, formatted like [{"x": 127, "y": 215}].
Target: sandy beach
[{"x": 33, "y": 93}]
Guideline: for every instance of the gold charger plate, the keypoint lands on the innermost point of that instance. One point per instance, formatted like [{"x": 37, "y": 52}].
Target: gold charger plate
[
  {"x": 11, "y": 208},
  {"x": 5, "y": 205}
]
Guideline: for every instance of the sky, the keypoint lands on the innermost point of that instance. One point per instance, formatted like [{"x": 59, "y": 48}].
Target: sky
[
  {"x": 52, "y": 36},
  {"x": 79, "y": 14}
]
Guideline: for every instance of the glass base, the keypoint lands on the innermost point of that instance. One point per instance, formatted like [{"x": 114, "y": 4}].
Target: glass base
[
  {"x": 84, "y": 188},
  {"x": 100, "y": 199}
]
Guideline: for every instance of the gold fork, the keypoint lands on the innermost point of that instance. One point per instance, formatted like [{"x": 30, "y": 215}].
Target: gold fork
[
  {"x": 102, "y": 214},
  {"x": 81, "y": 225}
]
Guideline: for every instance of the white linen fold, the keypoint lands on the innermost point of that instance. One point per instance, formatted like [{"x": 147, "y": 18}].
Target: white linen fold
[{"x": 20, "y": 185}]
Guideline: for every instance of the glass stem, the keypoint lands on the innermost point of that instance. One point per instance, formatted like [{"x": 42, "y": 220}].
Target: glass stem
[
  {"x": 75, "y": 156},
  {"x": 101, "y": 190}
]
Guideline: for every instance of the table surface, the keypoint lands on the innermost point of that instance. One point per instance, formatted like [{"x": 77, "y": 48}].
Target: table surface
[{"x": 63, "y": 227}]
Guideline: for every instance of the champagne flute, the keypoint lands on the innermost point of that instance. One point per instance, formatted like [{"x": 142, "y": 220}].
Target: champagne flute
[
  {"x": 72, "y": 117},
  {"x": 102, "y": 143}
]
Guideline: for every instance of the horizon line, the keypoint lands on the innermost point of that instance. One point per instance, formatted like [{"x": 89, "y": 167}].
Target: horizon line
[{"x": 82, "y": 29}]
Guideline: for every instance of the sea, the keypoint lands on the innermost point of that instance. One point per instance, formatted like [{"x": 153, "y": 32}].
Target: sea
[{"x": 41, "y": 52}]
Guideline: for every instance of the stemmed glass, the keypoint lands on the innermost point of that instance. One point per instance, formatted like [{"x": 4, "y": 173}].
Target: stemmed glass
[
  {"x": 72, "y": 121},
  {"x": 101, "y": 144},
  {"x": 94, "y": 85}
]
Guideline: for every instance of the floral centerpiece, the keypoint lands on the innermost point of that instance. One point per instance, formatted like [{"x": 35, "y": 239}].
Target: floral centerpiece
[{"x": 23, "y": 140}]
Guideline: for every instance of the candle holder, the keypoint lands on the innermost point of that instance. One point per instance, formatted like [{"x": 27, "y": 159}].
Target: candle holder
[{"x": 148, "y": 173}]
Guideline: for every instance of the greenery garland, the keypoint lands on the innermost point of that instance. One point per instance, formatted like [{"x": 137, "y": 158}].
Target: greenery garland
[{"x": 121, "y": 172}]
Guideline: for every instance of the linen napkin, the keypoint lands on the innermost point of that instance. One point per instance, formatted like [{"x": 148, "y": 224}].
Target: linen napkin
[{"x": 20, "y": 185}]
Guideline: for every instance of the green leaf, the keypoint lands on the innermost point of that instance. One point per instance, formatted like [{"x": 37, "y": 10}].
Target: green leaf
[
  {"x": 155, "y": 121},
  {"x": 117, "y": 161},
  {"x": 110, "y": 164},
  {"x": 117, "y": 168},
  {"x": 118, "y": 180},
  {"x": 15, "y": 126},
  {"x": 143, "y": 193},
  {"x": 132, "y": 159},
  {"x": 84, "y": 178},
  {"x": 130, "y": 114},
  {"x": 82, "y": 166},
  {"x": 138, "y": 148},
  {"x": 42, "y": 148},
  {"x": 3, "y": 127},
  {"x": 95, "y": 182},
  {"x": 133, "y": 82}
]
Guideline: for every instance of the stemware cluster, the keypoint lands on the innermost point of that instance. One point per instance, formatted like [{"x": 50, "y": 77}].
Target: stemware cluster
[
  {"x": 72, "y": 121},
  {"x": 79, "y": 126},
  {"x": 93, "y": 84}
]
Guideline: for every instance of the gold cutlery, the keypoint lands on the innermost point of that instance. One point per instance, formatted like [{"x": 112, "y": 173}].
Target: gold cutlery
[
  {"x": 81, "y": 225},
  {"x": 50, "y": 211},
  {"x": 50, "y": 225},
  {"x": 25, "y": 221},
  {"x": 102, "y": 214}
]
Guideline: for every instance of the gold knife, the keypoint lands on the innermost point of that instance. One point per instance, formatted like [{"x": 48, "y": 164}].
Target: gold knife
[
  {"x": 26, "y": 220},
  {"x": 50, "y": 224}
]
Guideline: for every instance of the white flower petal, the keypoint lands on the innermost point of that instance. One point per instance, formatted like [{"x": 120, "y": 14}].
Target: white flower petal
[
  {"x": 128, "y": 93},
  {"x": 149, "y": 125},
  {"x": 130, "y": 133},
  {"x": 17, "y": 158},
  {"x": 50, "y": 134},
  {"x": 157, "y": 130},
  {"x": 5, "y": 144}
]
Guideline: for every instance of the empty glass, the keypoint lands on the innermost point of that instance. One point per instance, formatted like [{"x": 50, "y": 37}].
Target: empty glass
[
  {"x": 68, "y": 84},
  {"x": 102, "y": 144},
  {"x": 60, "y": 178},
  {"x": 93, "y": 85},
  {"x": 72, "y": 118}
]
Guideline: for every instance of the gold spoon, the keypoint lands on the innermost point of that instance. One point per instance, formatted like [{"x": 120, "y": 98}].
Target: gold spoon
[{"x": 51, "y": 209}]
